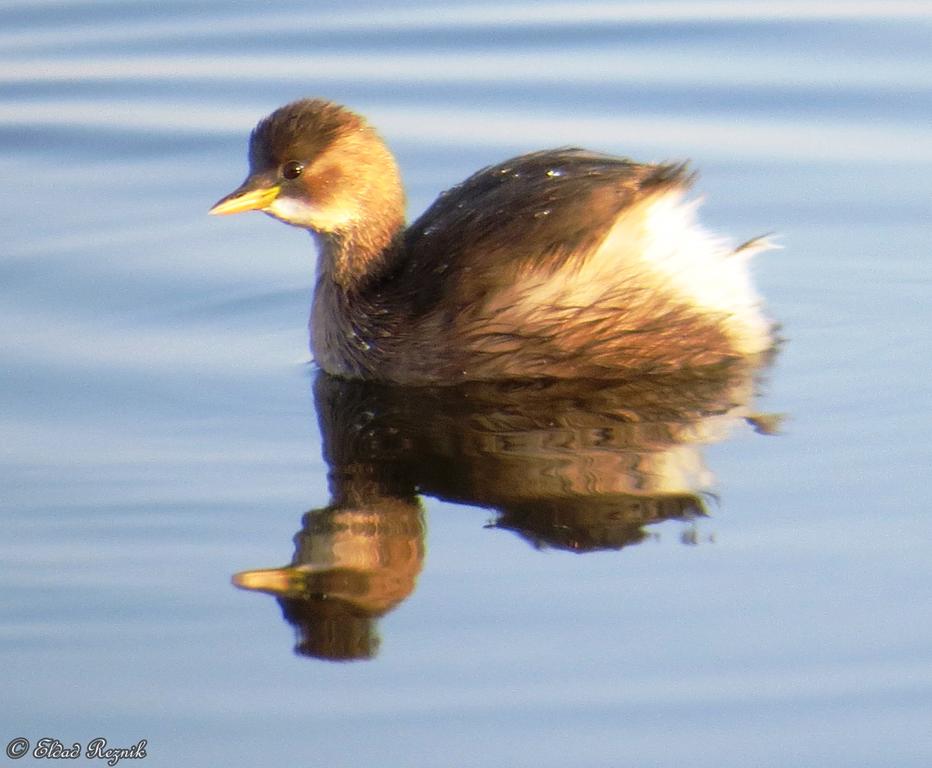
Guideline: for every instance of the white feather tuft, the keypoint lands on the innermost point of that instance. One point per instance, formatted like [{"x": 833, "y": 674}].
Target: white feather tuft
[{"x": 703, "y": 269}]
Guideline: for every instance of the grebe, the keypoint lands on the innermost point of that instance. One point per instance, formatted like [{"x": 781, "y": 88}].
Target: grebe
[{"x": 562, "y": 263}]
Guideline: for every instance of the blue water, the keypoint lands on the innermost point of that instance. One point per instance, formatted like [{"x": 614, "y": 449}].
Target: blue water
[{"x": 159, "y": 433}]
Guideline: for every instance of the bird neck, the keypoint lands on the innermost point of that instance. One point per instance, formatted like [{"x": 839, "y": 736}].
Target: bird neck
[
  {"x": 366, "y": 210},
  {"x": 348, "y": 311},
  {"x": 353, "y": 258}
]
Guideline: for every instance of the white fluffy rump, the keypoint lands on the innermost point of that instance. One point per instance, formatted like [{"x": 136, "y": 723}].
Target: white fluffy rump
[{"x": 705, "y": 269}]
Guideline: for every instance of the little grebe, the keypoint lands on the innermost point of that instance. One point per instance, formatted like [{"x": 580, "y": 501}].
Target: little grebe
[{"x": 561, "y": 264}]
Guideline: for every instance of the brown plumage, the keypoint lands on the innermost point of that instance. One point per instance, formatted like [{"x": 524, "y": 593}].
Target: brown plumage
[{"x": 562, "y": 263}]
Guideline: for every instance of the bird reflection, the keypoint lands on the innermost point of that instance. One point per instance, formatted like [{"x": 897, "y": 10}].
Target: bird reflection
[
  {"x": 574, "y": 465},
  {"x": 352, "y": 563}
]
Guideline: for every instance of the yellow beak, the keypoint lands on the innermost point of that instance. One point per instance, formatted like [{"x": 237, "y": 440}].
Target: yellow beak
[
  {"x": 246, "y": 198},
  {"x": 285, "y": 582}
]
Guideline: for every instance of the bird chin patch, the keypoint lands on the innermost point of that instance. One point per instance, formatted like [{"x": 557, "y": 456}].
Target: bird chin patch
[
  {"x": 299, "y": 214},
  {"x": 291, "y": 211}
]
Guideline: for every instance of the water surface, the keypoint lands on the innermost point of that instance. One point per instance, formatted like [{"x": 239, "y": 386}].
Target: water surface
[{"x": 160, "y": 431}]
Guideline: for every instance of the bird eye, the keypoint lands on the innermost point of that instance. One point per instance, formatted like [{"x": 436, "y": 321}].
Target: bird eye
[{"x": 292, "y": 170}]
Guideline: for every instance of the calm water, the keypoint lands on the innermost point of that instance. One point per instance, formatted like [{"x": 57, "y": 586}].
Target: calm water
[{"x": 159, "y": 432}]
